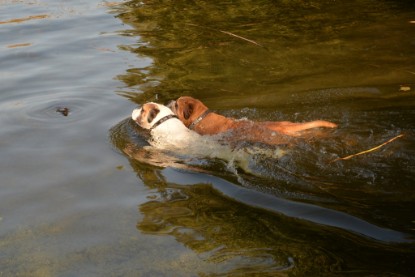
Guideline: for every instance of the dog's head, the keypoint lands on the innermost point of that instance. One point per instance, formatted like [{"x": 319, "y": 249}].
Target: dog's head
[
  {"x": 150, "y": 114},
  {"x": 187, "y": 109}
]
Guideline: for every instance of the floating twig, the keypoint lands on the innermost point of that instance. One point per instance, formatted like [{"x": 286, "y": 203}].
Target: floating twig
[
  {"x": 230, "y": 34},
  {"x": 240, "y": 37},
  {"x": 19, "y": 20},
  {"x": 18, "y": 45},
  {"x": 367, "y": 151}
]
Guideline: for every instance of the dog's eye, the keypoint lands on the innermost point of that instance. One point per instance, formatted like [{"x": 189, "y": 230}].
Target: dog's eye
[
  {"x": 153, "y": 113},
  {"x": 187, "y": 112}
]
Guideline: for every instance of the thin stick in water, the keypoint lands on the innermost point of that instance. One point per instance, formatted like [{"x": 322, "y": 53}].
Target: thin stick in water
[
  {"x": 367, "y": 151},
  {"x": 240, "y": 37},
  {"x": 229, "y": 34}
]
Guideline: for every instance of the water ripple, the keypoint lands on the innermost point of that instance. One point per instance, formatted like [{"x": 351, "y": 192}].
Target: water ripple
[{"x": 49, "y": 108}]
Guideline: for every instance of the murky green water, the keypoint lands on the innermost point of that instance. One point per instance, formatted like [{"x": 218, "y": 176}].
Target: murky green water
[{"x": 82, "y": 194}]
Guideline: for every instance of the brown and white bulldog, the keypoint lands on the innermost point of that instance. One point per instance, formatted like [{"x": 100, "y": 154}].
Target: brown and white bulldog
[
  {"x": 166, "y": 130},
  {"x": 196, "y": 116},
  {"x": 169, "y": 133}
]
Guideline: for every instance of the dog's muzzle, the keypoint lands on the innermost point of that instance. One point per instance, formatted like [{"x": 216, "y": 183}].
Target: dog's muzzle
[{"x": 136, "y": 114}]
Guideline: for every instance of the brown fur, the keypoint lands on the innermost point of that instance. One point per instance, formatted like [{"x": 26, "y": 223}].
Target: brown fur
[{"x": 188, "y": 109}]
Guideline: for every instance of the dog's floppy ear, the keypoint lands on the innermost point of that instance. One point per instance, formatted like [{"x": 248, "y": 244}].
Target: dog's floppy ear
[
  {"x": 152, "y": 114},
  {"x": 187, "y": 111}
]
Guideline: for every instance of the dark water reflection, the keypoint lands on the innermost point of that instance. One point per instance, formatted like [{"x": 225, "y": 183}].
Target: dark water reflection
[
  {"x": 309, "y": 46},
  {"x": 351, "y": 63},
  {"x": 246, "y": 231}
]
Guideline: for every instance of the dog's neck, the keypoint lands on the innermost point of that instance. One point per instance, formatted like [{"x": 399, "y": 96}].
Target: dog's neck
[
  {"x": 197, "y": 120},
  {"x": 212, "y": 127},
  {"x": 162, "y": 120},
  {"x": 171, "y": 132}
]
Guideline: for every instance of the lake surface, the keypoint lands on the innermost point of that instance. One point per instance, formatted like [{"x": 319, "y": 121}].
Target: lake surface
[{"x": 83, "y": 194}]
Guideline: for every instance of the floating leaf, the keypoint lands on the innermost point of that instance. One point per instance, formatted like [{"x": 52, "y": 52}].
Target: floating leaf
[{"x": 404, "y": 88}]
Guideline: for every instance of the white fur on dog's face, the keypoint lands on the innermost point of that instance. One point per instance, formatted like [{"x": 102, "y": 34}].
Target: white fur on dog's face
[
  {"x": 170, "y": 133},
  {"x": 149, "y": 114}
]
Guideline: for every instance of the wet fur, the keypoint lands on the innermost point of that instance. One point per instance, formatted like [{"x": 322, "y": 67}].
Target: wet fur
[
  {"x": 171, "y": 133},
  {"x": 188, "y": 109}
]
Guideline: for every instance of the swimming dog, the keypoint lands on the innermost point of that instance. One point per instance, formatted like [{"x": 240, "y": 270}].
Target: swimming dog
[
  {"x": 165, "y": 128},
  {"x": 196, "y": 116}
]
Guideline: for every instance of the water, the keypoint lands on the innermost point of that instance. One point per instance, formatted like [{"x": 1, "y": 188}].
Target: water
[{"x": 82, "y": 193}]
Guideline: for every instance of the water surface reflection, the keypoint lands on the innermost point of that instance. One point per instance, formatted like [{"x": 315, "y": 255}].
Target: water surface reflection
[
  {"x": 309, "y": 45},
  {"x": 348, "y": 62},
  {"x": 244, "y": 230}
]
